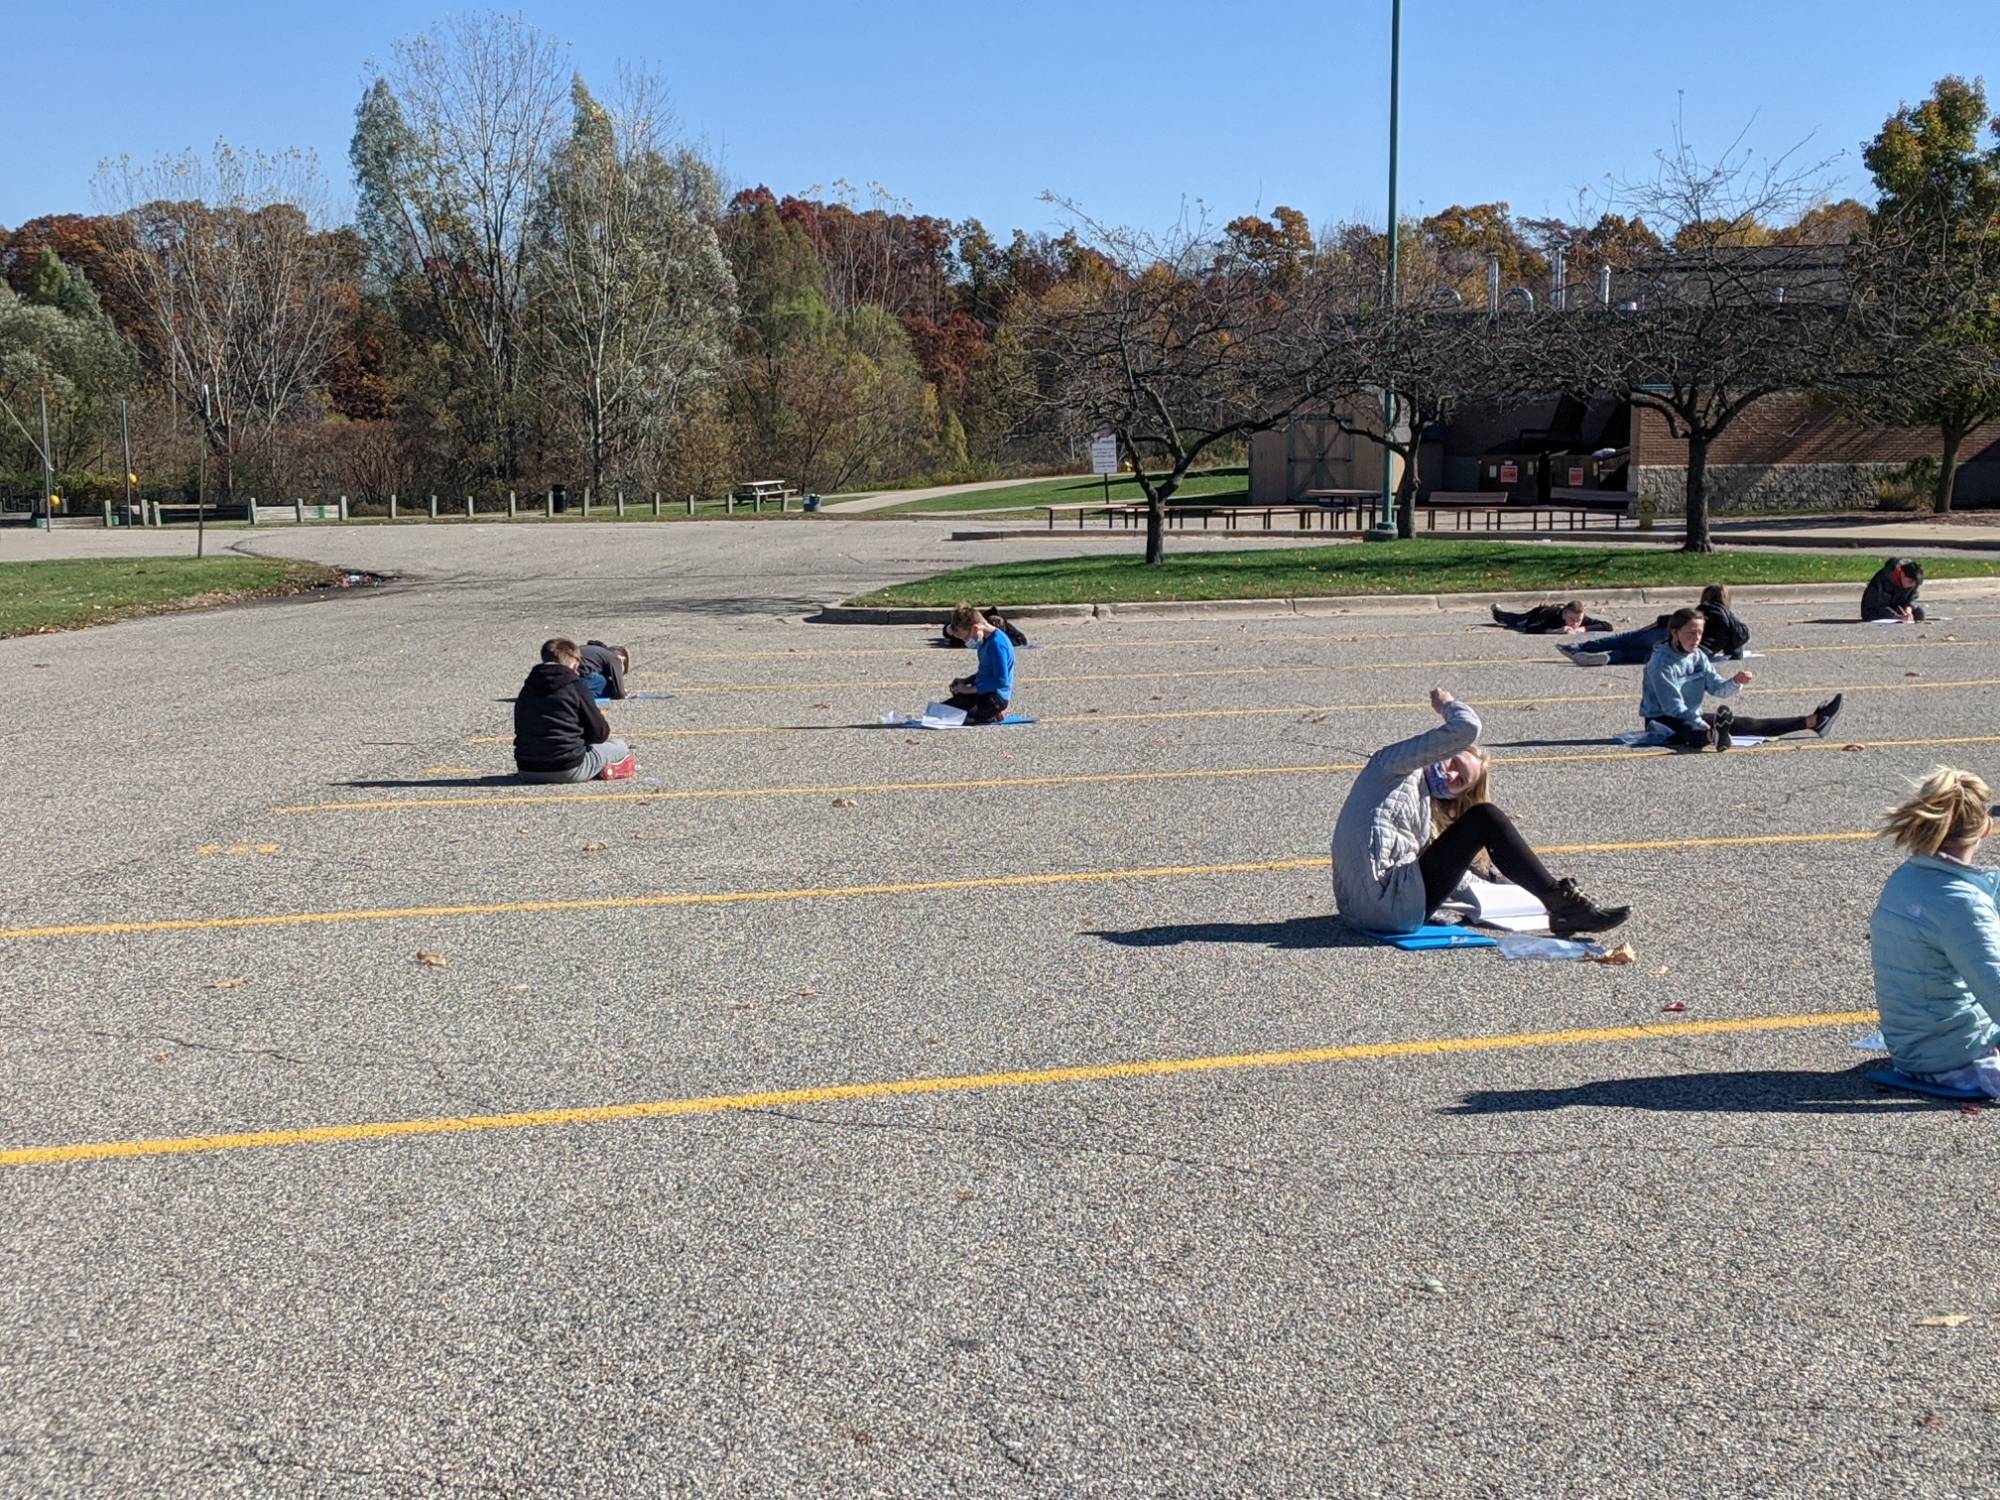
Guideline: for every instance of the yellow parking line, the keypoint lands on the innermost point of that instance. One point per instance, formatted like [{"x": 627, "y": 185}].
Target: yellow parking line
[
  {"x": 900, "y": 1088},
  {"x": 991, "y": 783},
  {"x": 684, "y": 688},
  {"x": 1630, "y": 695},
  {"x": 898, "y": 888},
  {"x": 1132, "y": 643}
]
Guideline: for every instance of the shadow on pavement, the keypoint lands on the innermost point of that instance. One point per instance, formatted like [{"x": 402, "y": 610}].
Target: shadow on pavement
[
  {"x": 1762, "y": 1091},
  {"x": 1293, "y": 932},
  {"x": 496, "y": 779}
]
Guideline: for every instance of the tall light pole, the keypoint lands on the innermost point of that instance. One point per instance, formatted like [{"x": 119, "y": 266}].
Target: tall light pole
[{"x": 1385, "y": 523}]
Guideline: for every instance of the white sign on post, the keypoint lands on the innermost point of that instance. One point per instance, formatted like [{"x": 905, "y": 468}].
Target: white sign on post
[{"x": 1104, "y": 454}]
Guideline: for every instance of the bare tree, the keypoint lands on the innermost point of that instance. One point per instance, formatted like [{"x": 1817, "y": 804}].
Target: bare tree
[
  {"x": 1173, "y": 344},
  {"x": 1729, "y": 312},
  {"x": 451, "y": 148},
  {"x": 631, "y": 298},
  {"x": 241, "y": 297}
]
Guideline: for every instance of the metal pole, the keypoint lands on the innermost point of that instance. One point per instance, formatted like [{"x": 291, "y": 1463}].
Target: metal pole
[
  {"x": 125, "y": 442},
  {"x": 48, "y": 489},
  {"x": 1386, "y": 521},
  {"x": 201, "y": 483}
]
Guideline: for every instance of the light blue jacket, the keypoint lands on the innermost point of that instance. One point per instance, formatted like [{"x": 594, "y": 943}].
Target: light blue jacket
[
  {"x": 1936, "y": 941},
  {"x": 1676, "y": 684}
]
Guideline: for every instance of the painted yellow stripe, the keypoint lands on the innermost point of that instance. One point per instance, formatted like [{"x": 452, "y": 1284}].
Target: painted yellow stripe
[
  {"x": 1764, "y": 694},
  {"x": 684, "y": 688},
  {"x": 902, "y": 1088},
  {"x": 1127, "y": 643},
  {"x": 809, "y": 893},
  {"x": 1001, "y": 783}
]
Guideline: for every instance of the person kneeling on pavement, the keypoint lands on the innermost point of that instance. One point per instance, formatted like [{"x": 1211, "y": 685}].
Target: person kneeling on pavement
[
  {"x": 1416, "y": 821},
  {"x": 559, "y": 734}
]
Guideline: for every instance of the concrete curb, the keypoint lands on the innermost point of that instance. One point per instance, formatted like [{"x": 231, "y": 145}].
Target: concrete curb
[
  {"x": 1884, "y": 546},
  {"x": 1847, "y": 594}
]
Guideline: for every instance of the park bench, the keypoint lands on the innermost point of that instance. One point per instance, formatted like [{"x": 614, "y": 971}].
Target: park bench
[
  {"x": 179, "y": 512},
  {"x": 1466, "y": 505},
  {"x": 1306, "y": 515}
]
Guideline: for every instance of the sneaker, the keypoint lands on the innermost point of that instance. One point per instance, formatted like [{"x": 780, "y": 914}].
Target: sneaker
[
  {"x": 1586, "y": 658},
  {"x": 1570, "y": 911},
  {"x": 619, "y": 770},
  {"x": 1826, "y": 713},
  {"x": 1494, "y": 610},
  {"x": 1719, "y": 731}
]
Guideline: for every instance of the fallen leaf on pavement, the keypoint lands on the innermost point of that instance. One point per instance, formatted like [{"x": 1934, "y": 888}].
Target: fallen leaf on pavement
[
  {"x": 807, "y": 994},
  {"x": 1944, "y": 1320},
  {"x": 822, "y": 705},
  {"x": 1968, "y": 1109},
  {"x": 1854, "y": 747},
  {"x": 593, "y": 848},
  {"x": 843, "y": 802},
  {"x": 229, "y": 984},
  {"x": 1622, "y": 954},
  {"x": 1674, "y": 1006},
  {"x": 1913, "y": 674},
  {"x": 1662, "y": 969},
  {"x": 432, "y": 960}
]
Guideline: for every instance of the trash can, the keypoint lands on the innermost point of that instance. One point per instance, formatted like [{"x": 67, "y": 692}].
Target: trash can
[
  {"x": 561, "y": 495},
  {"x": 811, "y": 503}
]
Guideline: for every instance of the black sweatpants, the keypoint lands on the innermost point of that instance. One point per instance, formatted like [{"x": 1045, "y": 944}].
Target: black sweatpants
[
  {"x": 1447, "y": 857},
  {"x": 1687, "y": 737},
  {"x": 980, "y": 708}
]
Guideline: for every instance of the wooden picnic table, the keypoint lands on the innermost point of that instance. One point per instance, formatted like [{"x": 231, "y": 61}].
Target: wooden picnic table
[{"x": 1494, "y": 505}]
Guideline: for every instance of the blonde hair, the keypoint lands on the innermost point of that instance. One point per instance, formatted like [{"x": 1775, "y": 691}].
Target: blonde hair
[
  {"x": 1949, "y": 808},
  {"x": 1445, "y": 813}
]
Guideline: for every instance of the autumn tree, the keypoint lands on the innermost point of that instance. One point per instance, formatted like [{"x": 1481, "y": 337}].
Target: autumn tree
[
  {"x": 1937, "y": 233},
  {"x": 631, "y": 300},
  {"x": 451, "y": 151},
  {"x": 1175, "y": 343},
  {"x": 1728, "y": 313},
  {"x": 238, "y": 294},
  {"x": 56, "y": 347}
]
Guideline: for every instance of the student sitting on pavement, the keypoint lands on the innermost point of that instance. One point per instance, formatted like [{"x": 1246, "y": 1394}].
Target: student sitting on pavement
[
  {"x": 1416, "y": 820},
  {"x": 986, "y": 691},
  {"x": 1723, "y": 634},
  {"x": 1679, "y": 675},
  {"x": 1549, "y": 619},
  {"x": 1892, "y": 593},
  {"x": 1935, "y": 938},
  {"x": 602, "y": 668},
  {"x": 559, "y": 735}
]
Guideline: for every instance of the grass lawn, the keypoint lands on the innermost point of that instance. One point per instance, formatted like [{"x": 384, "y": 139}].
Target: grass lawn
[
  {"x": 1203, "y": 484},
  {"x": 1418, "y": 567},
  {"x": 70, "y": 594}
]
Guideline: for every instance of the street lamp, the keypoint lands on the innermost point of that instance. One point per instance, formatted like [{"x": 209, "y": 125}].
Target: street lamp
[{"x": 1385, "y": 522}]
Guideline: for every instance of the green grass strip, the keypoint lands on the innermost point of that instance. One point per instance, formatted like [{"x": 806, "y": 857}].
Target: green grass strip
[{"x": 72, "y": 593}]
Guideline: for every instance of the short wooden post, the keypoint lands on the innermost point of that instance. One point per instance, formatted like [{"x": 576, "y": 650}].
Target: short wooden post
[
  {"x": 656, "y": 505},
  {"x": 468, "y": 507},
  {"x": 107, "y": 511},
  {"x": 549, "y": 504},
  {"x": 298, "y": 510},
  {"x": 621, "y": 505},
  {"x": 253, "y": 510},
  {"x": 392, "y": 505},
  {"x": 729, "y": 505},
  {"x": 586, "y": 502},
  {"x": 512, "y": 511},
  {"x": 343, "y": 507},
  {"x": 434, "y": 507},
  {"x": 690, "y": 505}
]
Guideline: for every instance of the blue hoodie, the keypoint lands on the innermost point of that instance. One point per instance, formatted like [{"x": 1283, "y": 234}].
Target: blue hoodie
[
  {"x": 1676, "y": 684},
  {"x": 996, "y": 666},
  {"x": 1935, "y": 943}
]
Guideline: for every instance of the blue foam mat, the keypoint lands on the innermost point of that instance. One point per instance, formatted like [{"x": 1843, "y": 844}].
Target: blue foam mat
[
  {"x": 1433, "y": 935},
  {"x": 999, "y": 724},
  {"x": 1895, "y": 1078},
  {"x": 634, "y": 697}
]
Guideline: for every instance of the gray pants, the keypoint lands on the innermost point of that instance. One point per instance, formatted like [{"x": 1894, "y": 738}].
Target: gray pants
[{"x": 595, "y": 759}]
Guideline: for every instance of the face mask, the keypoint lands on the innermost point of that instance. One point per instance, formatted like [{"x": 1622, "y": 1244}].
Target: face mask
[{"x": 1435, "y": 781}]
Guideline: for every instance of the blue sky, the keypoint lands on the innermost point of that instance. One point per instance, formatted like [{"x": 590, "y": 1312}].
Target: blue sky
[{"x": 1126, "y": 107}]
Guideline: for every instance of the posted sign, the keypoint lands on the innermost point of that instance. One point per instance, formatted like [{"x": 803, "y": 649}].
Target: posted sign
[{"x": 1104, "y": 454}]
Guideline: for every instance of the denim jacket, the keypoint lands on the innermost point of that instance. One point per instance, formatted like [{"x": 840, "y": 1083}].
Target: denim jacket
[
  {"x": 1676, "y": 684},
  {"x": 1936, "y": 941}
]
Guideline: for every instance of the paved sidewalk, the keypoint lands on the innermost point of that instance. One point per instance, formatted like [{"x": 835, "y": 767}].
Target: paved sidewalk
[{"x": 888, "y": 498}]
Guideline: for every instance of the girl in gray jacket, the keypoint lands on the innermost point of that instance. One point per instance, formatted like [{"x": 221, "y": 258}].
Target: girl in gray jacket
[{"x": 1418, "y": 817}]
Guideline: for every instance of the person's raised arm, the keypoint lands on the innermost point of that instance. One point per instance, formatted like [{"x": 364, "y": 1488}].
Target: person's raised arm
[{"x": 1459, "y": 731}]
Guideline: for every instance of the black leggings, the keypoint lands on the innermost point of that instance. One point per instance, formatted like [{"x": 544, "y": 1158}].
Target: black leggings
[
  {"x": 980, "y": 708},
  {"x": 1447, "y": 857},
  {"x": 1687, "y": 737}
]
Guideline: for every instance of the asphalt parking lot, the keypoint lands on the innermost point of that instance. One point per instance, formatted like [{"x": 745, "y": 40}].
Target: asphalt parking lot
[{"x": 840, "y": 1108}]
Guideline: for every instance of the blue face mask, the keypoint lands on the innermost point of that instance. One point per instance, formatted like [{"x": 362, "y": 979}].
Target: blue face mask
[{"x": 1436, "y": 782}]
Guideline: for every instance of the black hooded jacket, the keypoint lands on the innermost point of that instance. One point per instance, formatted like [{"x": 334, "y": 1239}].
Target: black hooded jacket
[{"x": 555, "y": 721}]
